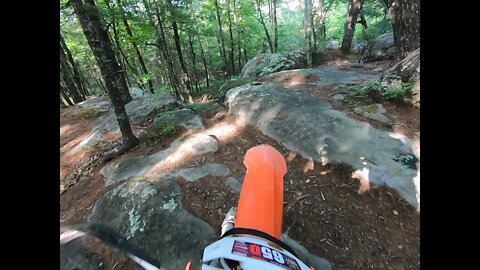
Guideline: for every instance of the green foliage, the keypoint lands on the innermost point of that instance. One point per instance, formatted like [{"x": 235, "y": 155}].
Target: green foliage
[
  {"x": 161, "y": 132},
  {"x": 87, "y": 113},
  {"x": 200, "y": 107},
  {"x": 231, "y": 83},
  {"x": 392, "y": 92}
]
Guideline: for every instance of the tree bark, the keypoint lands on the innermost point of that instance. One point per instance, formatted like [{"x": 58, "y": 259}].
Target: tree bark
[
  {"x": 67, "y": 77},
  {"x": 186, "y": 94},
  {"x": 192, "y": 52},
  {"x": 232, "y": 49},
  {"x": 275, "y": 44},
  {"x": 76, "y": 72},
  {"x": 308, "y": 31},
  {"x": 204, "y": 63},
  {"x": 64, "y": 95},
  {"x": 238, "y": 35},
  {"x": 134, "y": 44},
  {"x": 405, "y": 18},
  {"x": 354, "y": 7},
  {"x": 163, "y": 45},
  {"x": 262, "y": 22},
  {"x": 221, "y": 41},
  {"x": 319, "y": 31},
  {"x": 98, "y": 39}
]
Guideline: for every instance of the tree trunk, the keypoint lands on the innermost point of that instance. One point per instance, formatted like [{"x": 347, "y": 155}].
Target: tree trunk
[
  {"x": 354, "y": 7},
  {"x": 64, "y": 95},
  {"x": 97, "y": 37},
  {"x": 76, "y": 73},
  {"x": 67, "y": 77},
  {"x": 319, "y": 31},
  {"x": 192, "y": 52},
  {"x": 269, "y": 40},
  {"x": 121, "y": 54},
  {"x": 405, "y": 17},
  {"x": 204, "y": 63},
  {"x": 238, "y": 35},
  {"x": 162, "y": 43},
  {"x": 134, "y": 44},
  {"x": 232, "y": 50},
  {"x": 186, "y": 95},
  {"x": 221, "y": 41},
  {"x": 308, "y": 31},
  {"x": 275, "y": 44}
]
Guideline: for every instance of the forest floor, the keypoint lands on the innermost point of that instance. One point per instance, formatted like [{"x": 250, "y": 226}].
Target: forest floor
[{"x": 324, "y": 210}]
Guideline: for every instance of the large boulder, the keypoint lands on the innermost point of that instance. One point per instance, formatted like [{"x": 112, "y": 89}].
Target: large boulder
[
  {"x": 182, "y": 148},
  {"x": 149, "y": 213},
  {"x": 357, "y": 46},
  {"x": 299, "y": 57},
  {"x": 380, "y": 48},
  {"x": 332, "y": 45},
  {"x": 313, "y": 129},
  {"x": 406, "y": 70},
  {"x": 267, "y": 63}
]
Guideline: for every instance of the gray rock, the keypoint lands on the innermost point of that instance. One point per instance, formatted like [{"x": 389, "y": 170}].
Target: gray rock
[
  {"x": 101, "y": 103},
  {"x": 266, "y": 63},
  {"x": 184, "y": 117},
  {"x": 339, "y": 97},
  {"x": 187, "y": 146},
  {"x": 193, "y": 174},
  {"x": 137, "y": 92},
  {"x": 75, "y": 256},
  {"x": 332, "y": 45},
  {"x": 234, "y": 184},
  {"x": 310, "y": 127},
  {"x": 375, "y": 112},
  {"x": 328, "y": 75},
  {"x": 149, "y": 213},
  {"x": 357, "y": 46},
  {"x": 139, "y": 108},
  {"x": 305, "y": 256},
  {"x": 380, "y": 48},
  {"x": 298, "y": 57}
]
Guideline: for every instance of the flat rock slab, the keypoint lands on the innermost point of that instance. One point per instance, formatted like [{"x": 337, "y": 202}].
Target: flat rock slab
[
  {"x": 184, "y": 117},
  {"x": 212, "y": 169},
  {"x": 148, "y": 212},
  {"x": 234, "y": 184},
  {"x": 329, "y": 75},
  {"x": 310, "y": 127},
  {"x": 375, "y": 112},
  {"x": 187, "y": 146}
]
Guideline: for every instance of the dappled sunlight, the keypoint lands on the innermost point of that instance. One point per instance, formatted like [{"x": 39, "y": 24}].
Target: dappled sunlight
[
  {"x": 309, "y": 165},
  {"x": 225, "y": 130},
  {"x": 185, "y": 149},
  {"x": 362, "y": 176}
]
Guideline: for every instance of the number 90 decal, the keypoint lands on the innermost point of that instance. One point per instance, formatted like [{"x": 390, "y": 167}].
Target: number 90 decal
[{"x": 264, "y": 253}]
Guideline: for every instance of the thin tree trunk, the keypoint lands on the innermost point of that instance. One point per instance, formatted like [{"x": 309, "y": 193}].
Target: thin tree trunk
[
  {"x": 354, "y": 7},
  {"x": 68, "y": 79},
  {"x": 232, "y": 49},
  {"x": 102, "y": 48},
  {"x": 163, "y": 47},
  {"x": 308, "y": 31},
  {"x": 192, "y": 52},
  {"x": 221, "y": 41},
  {"x": 64, "y": 95},
  {"x": 245, "y": 53},
  {"x": 238, "y": 35},
  {"x": 204, "y": 63},
  {"x": 186, "y": 77},
  {"x": 269, "y": 40},
  {"x": 134, "y": 44},
  {"x": 76, "y": 73},
  {"x": 275, "y": 44}
]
